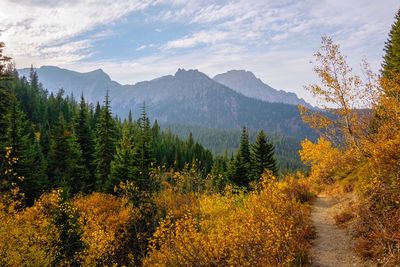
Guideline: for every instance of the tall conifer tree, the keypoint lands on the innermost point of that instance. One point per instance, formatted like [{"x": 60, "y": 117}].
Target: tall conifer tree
[
  {"x": 36, "y": 182},
  {"x": 262, "y": 156},
  {"x": 124, "y": 164},
  {"x": 18, "y": 141},
  {"x": 65, "y": 165},
  {"x": 144, "y": 153},
  {"x": 105, "y": 140},
  {"x": 5, "y": 96},
  {"x": 391, "y": 59},
  {"x": 241, "y": 175},
  {"x": 84, "y": 139},
  {"x": 33, "y": 79}
]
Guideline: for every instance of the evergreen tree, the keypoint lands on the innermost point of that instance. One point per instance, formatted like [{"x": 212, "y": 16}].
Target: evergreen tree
[
  {"x": 156, "y": 130},
  {"x": 36, "y": 182},
  {"x": 391, "y": 60},
  {"x": 144, "y": 154},
  {"x": 65, "y": 164},
  {"x": 231, "y": 168},
  {"x": 33, "y": 78},
  {"x": 130, "y": 118},
  {"x": 262, "y": 156},
  {"x": 96, "y": 115},
  {"x": 124, "y": 165},
  {"x": 5, "y": 101},
  {"x": 45, "y": 137},
  {"x": 244, "y": 148},
  {"x": 18, "y": 140},
  {"x": 5, "y": 96},
  {"x": 84, "y": 139},
  {"x": 105, "y": 139},
  {"x": 241, "y": 175},
  {"x": 34, "y": 105}
]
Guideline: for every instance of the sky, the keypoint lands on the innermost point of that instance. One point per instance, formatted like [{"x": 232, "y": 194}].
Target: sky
[{"x": 136, "y": 40}]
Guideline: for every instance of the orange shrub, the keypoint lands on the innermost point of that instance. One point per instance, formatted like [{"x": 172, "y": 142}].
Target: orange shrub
[
  {"x": 262, "y": 228},
  {"x": 105, "y": 222},
  {"x": 29, "y": 237},
  {"x": 295, "y": 186},
  {"x": 324, "y": 160}
]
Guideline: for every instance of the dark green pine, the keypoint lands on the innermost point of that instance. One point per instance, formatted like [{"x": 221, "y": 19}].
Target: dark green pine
[
  {"x": 84, "y": 140},
  {"x": 124, "y": 165},
  {"x": 36, "y": 183},
  {"x": 105, "y": 141},
  {"x": 18, "y": 139},
  {"x": 5, "y": 96},
  {"x": 263, "y": 156},
  {"x": 241, "y": 174},
  {"x": 144, "y": 154},
  {"x": 391, "y": 59},
  {"x": 66, "y": 169}
]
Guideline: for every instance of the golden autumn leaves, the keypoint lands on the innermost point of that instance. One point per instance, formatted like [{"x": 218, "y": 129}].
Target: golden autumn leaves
[
  {"x": 359, "y": 148},
  {"x": 266, "y": 227},
  {"x": 269, "y": 226}
]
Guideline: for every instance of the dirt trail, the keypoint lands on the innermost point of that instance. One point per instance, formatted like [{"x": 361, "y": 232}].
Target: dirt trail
[{"x": 332, "y": 246}]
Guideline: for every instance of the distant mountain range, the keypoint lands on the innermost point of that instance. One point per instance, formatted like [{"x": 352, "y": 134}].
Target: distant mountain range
[
  {"x": 230, "y": 100},
  {"x": 246, "y": 83}
]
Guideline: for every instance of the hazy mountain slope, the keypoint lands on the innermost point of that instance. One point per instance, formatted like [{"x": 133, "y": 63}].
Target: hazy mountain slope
[
  {"x": 246, "y": 83},
  {"x": 188, "y": 97},
  {"x": 92, "y": 84}
]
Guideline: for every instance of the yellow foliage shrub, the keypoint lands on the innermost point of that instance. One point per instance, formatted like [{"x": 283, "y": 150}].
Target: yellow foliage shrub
[
  {"x": 105, "y": 221},
  {"x": 179, "y": 194},
  {"x": 296, "y": 186},
  {"x": 263, "y": 228},
  {"x": 378, "y": 227},
  {"x": 176, "y": 204},
  {"x": 29, "y": 237},
  {"x": 324, "y": 159}
]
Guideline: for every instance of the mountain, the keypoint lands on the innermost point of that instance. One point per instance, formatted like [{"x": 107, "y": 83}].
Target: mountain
[
  {"x": 92, "y": 85},
  {"x": 188, "y": 97},
  {"x": 246, "y": 83}
]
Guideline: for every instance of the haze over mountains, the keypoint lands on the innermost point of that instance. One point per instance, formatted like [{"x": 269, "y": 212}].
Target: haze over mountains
[
  {"x": 246, "y": 83},
  {"x": 230, "y": 100}
]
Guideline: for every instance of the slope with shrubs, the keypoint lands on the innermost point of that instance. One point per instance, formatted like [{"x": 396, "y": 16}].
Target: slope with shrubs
[{"x": 359, "y": 149}]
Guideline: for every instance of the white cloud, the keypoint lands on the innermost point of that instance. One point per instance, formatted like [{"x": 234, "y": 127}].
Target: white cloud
[
  {"x": 202, "y": 37},
  {"x": 33, "y": 28},
  {"x": 141, "y": 47},
  {"x": 273, "y": 38}
]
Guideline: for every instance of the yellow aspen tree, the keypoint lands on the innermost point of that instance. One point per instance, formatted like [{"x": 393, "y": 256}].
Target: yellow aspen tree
[{"x": 343, "y": 98}]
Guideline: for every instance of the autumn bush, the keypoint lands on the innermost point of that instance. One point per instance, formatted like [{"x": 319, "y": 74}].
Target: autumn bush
[
  {"x": 323, "y": 158},
  {"x": 378, "y": 231},
  {"x": 29, "y": 237},
  {"x": 105, "y": 221},
  {"x": 263, "y": 228},
  {"x": 359, "y": 149},
  {"x": 46, "y": 234},
  {"x": 296, "y": 186}
]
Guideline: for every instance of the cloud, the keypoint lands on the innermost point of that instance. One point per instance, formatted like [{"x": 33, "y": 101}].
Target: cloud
[
  {"x": 33, "y": 28},
  {"x": 202, "y": 37},
  {"x": 141, "y": 47},
  {"x": 274, "y": 38}
]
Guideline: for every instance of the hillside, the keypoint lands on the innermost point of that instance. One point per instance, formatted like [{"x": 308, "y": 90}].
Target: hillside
[
  {"x": 246, "y": 83},
  {"x": 188, "y": 97}
]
